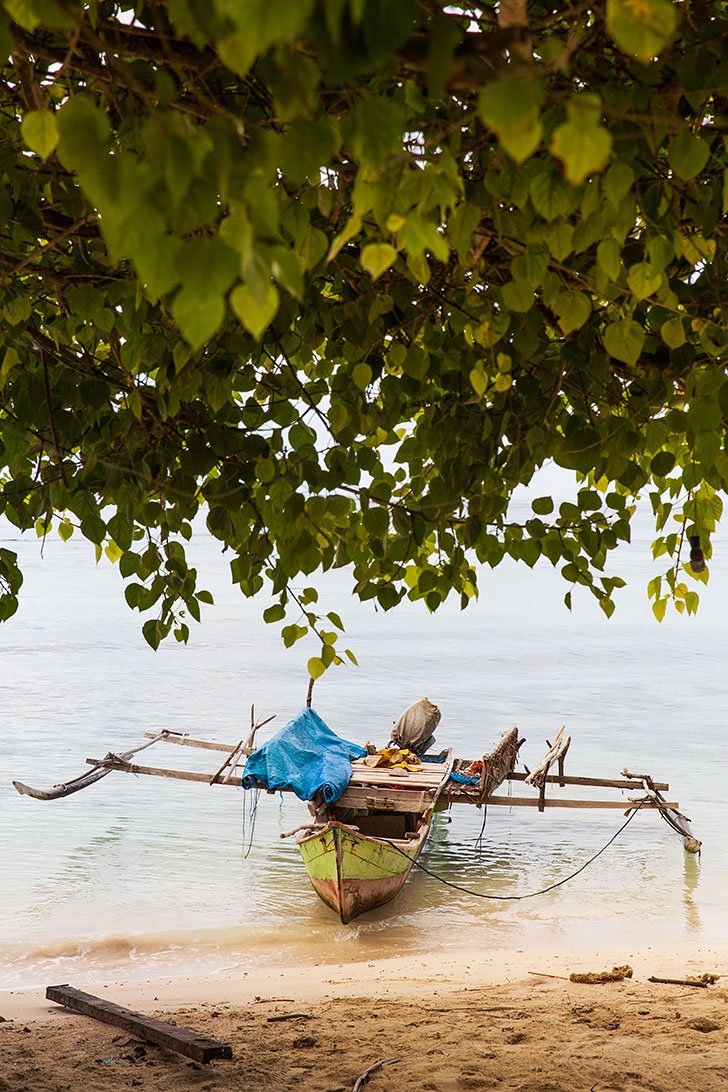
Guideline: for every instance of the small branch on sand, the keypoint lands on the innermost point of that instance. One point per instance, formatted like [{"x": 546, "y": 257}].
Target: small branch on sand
[
  {"x": 289, "y": 1016},
  {"x": 542, "y": 974},
  {"x": 700, "y": 982},
  {"x": 362, "y": 1080}
]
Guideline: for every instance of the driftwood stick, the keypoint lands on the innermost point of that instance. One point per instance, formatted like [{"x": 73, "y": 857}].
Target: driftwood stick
[
  {"x": 679, "y": 982},
  {"x": 309, "y": 695},
  {"x": 556, "y": 751},
  {"x": 289, "y": 1016},
  {"x": 362, "y": 1080},
  {"x": 542, "y": 974}
]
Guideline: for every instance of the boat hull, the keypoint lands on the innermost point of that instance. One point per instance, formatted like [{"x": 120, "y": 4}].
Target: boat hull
[{"x": 353, "y": 873}]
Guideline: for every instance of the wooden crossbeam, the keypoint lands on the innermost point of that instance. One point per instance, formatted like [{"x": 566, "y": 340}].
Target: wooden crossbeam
[
  {"x": 160, "y": 771},
  {"x": 183, "y": 740},
  {"x": 595, "y": 782},
  {"x": 555, "y": 802}
]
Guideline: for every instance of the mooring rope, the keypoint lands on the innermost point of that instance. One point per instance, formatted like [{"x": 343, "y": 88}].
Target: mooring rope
[{"x": 530, "y": 894}]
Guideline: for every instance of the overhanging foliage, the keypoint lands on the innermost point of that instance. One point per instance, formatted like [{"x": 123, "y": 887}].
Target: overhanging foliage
[{"x": 345, "y": 273}]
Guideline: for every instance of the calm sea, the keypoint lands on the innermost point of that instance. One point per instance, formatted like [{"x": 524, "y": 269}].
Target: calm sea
[{"x": 139, "y": 876}]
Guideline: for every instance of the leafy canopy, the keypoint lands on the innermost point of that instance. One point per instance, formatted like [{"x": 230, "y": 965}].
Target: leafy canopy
[{"x": 344, "y": 274}]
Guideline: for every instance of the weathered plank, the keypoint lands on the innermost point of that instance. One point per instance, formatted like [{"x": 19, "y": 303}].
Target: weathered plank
[
  {"x": 169, "y": 1036},
  {"x": 359, "y": 796}
]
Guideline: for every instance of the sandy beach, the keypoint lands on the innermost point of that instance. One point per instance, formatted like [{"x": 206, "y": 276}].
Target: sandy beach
[{"x": 470, "y": 1023}]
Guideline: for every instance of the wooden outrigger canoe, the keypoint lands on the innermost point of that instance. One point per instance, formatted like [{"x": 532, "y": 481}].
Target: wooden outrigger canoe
[
  {"x": 359, "y": 850},
  {"x": 363, "y": 853}
]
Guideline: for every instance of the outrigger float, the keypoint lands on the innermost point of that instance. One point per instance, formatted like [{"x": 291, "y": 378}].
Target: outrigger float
[{"x": 371, "y": 810}]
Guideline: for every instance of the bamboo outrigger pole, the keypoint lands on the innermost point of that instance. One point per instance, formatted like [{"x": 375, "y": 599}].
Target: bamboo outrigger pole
[{"x": 497, "y": 766}]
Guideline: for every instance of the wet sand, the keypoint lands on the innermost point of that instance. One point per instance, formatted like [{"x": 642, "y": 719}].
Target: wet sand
[{"x": 477, "y": 1023}]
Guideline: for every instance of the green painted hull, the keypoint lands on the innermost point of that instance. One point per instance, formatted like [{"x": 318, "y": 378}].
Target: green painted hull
[{"x": 353, "y": 873}]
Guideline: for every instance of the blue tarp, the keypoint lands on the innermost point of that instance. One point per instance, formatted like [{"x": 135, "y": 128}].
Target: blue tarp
[{"x": 305, "y": 756}]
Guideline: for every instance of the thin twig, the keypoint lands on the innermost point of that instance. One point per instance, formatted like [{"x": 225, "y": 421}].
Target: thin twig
[
  {"x": 362, "y": 1080},
  {"x": 51, "y": 420}
]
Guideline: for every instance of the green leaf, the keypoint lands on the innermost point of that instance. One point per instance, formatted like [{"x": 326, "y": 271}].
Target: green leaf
[
  {"x": 84, "y": 131},
  {"x": 573, "y": 310},
  {"x": 550, "y": 195},
  {"x": 536, "y": 262},
  {"x": 687, "y": 154},
  {"x": 510, "y": 107},
  {"x": 40, "y": 132},
  {"x": 617, "y": 183},
  {"x": 661, "y": 251},
  {"x": 207, "y": 267},
  {"x": 307, "y": 146},
  {"x": 316, "y": 667},
  {"x": 157, "y": 266},
  {"x": 377, "y": 130},
  {"x": 643, "y": 280},
  {"x": 418, "y": 235},
  {"x": 197, "y": 319},
  {"x": 581, "y": 144},
  {"x": 152, "y": 633},
  {"x": 672, "y": 333},
  {"x": 609, "y": 258},
  {"x": 641, "y": 28},
  {"x": 255, "y": 314},
  {"x": 659, "y": 607},
  {"x": 377, "y": 257},
  {"x": 518, "y": 296},
  {"x": 607, "y": 605},
  {"x": 624, "y": 340},
  {"x": 479, "y": 381},
  {"x": 543, "y": 506},
  {"x": 362, "y": 376},
  {"x": 274, "y": 614},
  {"x": 460, "y": 227},
  {"x": 663, "y": 463},
  {"x": 31, "y": 13}
]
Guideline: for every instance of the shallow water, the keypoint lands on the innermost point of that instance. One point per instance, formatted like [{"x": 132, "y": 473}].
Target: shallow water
[{"x": 138, "y": 876}]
